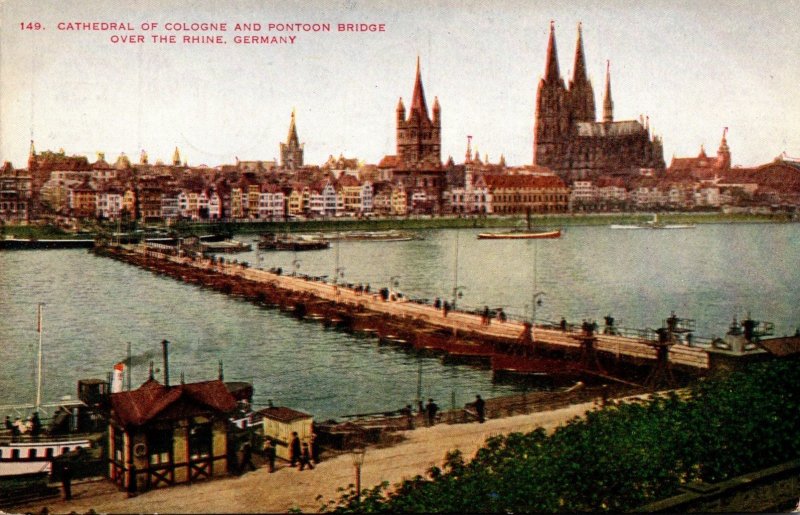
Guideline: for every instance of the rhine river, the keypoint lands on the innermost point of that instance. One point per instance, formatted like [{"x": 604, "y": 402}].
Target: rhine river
[{"x": 94, "y": 306}]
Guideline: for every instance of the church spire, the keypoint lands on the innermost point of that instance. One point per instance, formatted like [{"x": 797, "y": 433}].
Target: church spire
[
  {"x": 551, "y": 72},
  {"x": 468, "y": 156},
  {"x": 724, "y": 152},
  {"x": 176, "y": 157},
  {"x": 418, "y": 104},
  {"x": 292, "y": 137},
  {"x": 579, "y": 75},
  {"x": 608, "y": 104}
]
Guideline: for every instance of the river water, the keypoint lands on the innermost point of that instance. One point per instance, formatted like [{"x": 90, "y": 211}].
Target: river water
[{"x": 94, "y": 306}]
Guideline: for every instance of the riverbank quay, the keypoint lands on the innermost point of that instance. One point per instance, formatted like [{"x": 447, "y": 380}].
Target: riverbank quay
[
  {"x": 290, "y": 489},
  {"x": 403, "y": 322},
  {"x": 428, "y": 222},
  {"x": 414, "y": 222}
]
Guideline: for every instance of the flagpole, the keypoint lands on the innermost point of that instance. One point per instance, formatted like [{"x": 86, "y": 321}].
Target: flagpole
[{"x": 39, "y": 359}]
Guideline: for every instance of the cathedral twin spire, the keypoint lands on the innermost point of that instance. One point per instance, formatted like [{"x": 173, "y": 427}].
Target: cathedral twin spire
[{"x": 580, "y": 93}]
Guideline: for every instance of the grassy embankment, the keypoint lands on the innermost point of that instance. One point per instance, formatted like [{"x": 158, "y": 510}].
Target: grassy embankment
[{"x": 419, "y": 223}]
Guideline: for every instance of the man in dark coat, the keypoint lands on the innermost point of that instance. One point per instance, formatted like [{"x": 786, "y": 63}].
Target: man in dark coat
[
  {"x": 66, "y": 480},
  {"x": 480, "y": 408},
  {"x": 305, "y": 458},
  {"x": 294, "y": 449},
  {"x": 269, "y": 454},
  {"x": 247, "y": 458},
  {"x": 431, "y": 408}
]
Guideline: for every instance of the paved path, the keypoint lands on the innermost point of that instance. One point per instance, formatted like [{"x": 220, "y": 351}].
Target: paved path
[{"x": 288, "y": 488}]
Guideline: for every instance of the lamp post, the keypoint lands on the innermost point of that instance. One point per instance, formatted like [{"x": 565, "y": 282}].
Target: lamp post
[
  {"x": 358, "y": 460},
  {"x": 536, "y": 300}
]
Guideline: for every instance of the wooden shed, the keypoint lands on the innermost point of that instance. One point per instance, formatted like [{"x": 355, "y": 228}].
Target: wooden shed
[
  {"x": 163, "y": 435},
  {"x": 280, "y": 423}
]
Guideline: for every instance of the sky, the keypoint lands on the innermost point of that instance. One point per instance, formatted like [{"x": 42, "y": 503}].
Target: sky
[{"x": 693, "y": 67}]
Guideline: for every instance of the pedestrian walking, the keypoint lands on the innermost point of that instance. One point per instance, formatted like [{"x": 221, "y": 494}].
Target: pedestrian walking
[
  {"x": 480, "y": 408},
  {"x": 269, "y": 454},
  {"x": 314, "y": 445},
  {"x": 408, "y": 412},
  {"x": 305, "y": 458},
  {"x": 247, "y": 458},
  {"x": 36, "y": 424},
  {"x": 430, "y": 409},
  {"x": 66, "y": 480},
  {"x": 294, "y": 449}
]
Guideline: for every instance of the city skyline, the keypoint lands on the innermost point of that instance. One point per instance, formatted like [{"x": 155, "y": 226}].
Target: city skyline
[{"x": 693, "y": 69}]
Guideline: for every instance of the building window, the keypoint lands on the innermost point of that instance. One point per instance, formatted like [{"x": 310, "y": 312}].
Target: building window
[
  {"x": 200, "y": 441},
  {"x": 159, "y": 445},
  {"x": 119, "y": 445}
]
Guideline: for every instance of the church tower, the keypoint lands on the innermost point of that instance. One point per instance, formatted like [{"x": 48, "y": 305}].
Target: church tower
[
  {"x": 292, "y": 150},
  {"x": 551, "y": 125},
  {"x": 581, "y": 93},
  {"x": 419, "y": 136}
]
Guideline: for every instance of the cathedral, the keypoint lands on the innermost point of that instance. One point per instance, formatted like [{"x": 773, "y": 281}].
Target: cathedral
[
  {"x": 570, "y": 140},
  {"x": 292, "y": 150}
]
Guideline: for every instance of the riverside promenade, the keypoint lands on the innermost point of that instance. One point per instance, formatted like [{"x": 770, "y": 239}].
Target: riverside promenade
[{"x": 414, "y": 316}]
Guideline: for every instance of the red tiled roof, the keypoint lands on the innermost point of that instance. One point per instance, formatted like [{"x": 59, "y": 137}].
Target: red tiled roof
[
  {"x": 153, "y": 400},
  {"x": 389, "y": 162},
  {"x": 786, "y": 346},
  {"x": 524, "y": 181},
  {"x": 348, "y": 181},
  {"x": 283, "y": 414}
]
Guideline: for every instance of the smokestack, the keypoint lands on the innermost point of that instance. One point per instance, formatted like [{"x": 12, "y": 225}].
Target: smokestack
[
  {"x": 165, "y": 347},
  {"x": 221, "y": 375}
]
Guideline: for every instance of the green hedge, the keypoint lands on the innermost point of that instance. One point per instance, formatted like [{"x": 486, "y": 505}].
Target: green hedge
[{"x": 619, "y": 457}]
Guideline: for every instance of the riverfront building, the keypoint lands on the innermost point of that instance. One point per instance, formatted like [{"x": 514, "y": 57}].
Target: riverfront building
[
  {"x": 417, "y": 164},
  {"x": 567, "y": 136},
  {"x": 515, "y": 194},
  {"x": 161, "y": 435}
]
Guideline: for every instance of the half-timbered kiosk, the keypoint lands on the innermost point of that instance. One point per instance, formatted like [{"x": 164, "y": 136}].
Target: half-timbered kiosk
[{"x": 162, "y": 435}]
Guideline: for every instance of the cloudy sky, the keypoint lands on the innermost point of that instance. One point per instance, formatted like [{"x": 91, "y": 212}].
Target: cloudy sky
[{"x": 694, "y": 67}]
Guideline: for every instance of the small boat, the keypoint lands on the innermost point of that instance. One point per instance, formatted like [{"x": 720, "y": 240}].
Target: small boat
[
  {"x": 655, "y": 223},
  {"x": 383, "y": 236},
  {"x": 519, "y": 235},
  {"x": 272, "y": 241}
]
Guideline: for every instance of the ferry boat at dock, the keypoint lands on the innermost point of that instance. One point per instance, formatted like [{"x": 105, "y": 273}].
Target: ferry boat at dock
[
  {"x": 35, "y": 456},
  {"x": 22, "y": 450}
]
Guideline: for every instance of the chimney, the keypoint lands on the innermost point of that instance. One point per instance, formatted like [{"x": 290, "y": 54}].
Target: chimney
[
  {"x": 221, "y": 376},
  {"x": 165, "y": 347}
]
